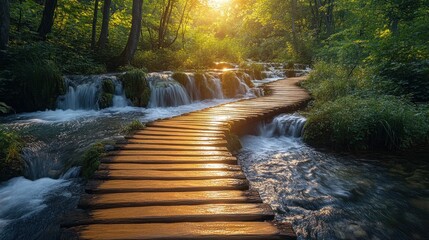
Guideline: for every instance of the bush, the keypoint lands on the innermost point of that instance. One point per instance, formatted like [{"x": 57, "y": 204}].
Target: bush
[
  {"x": 38, "y": 85},
  {"x": 91, "y": 160},
  {"x": 159, "y": 60},
  {"x": 356, "y": 123},
  {"x": 11, "y": 162},
  {"x": 136, "y": 87}
]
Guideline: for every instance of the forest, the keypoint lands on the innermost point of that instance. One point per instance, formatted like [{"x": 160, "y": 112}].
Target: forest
[
  {"x": 370, "y": 59},
  {"x": 313, "y": 114}
]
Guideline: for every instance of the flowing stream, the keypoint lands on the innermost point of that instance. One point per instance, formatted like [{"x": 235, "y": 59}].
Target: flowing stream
[
  {"x": 31, "y": 206},
  {"x": 333, "y": 196}
]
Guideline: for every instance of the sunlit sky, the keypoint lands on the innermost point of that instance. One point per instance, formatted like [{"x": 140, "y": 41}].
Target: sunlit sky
[{"x": 218, "y": 3}]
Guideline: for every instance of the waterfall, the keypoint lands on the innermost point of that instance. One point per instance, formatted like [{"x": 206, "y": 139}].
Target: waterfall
[
  {"x": 84, "y": 92},
  {"x": 290, "y": 125},
  {"x": 166, "y": 92}
]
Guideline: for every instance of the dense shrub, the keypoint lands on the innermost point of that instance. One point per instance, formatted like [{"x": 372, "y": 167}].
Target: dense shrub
[
  {"x": 136, "y": 87},
  {"x": 367, "y": 123},
  {"x": 11, "y": 163},
  {"x": 38, "y": 85},
  {"x": 159, "y": 60},
  {"x": 90, "y": 160}
]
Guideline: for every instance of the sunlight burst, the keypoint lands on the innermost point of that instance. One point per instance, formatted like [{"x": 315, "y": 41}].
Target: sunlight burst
[{"x": 218, "y": 3}]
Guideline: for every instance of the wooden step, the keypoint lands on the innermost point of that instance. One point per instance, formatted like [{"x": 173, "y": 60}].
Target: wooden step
[
  {"x": 179, "y": 142},
  {"x": 96, "y": 201},
  {"x": 181, "y": 130},
  {"x": 169, "y": 167},
  {"x": 145, "y": 146},
  {"x": 175, "y": 138},
  {"x": 169, "y": 153},
  {"x": 169, "y": 214},
  {"x": 182, "y": 134},
  {"x": 182, "y": 231},
  {"x": 169, "y": 159},
  {"x": 122, "y": 186},
  {"x": 165, "y": 175}
]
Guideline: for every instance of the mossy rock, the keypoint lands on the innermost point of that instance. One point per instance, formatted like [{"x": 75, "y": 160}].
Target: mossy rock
[
  {"x": 11, "y": 162},
  {"x": 90, "y": 160},
  {"x": 107, "y": 86},
  {"x": 105, "y": 100},
  {"x": 201, "y": 83},
  {"x": 40, "y": 85},
  {"x": 181, "y": 78},
  {"x": 230, "y": 84},
  {"x": 246, "y": 78},
  {"x": 136, "y": 87}
]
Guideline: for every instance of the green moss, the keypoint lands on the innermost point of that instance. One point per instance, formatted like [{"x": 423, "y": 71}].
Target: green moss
[
  {"x": 136, "y": 87},
  {"x": 180, "y": 77},
  {"x": 230, "y": 84},
  {"x": 132, "y": 127},
  {"x": 90, "y": 160},
  {"x": 40, "y": 84},
  {"x": 11, "y": 162},
  {"x": 105, "y": 100},
  {"x": 108, "y": 86}
]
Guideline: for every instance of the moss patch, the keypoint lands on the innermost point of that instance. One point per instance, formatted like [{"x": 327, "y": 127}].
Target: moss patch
[
  {"x": 11, "y": 162},
  {"x": 136, "y": 87},
  {"x": 40, "y": 83},
  {"x": 108, "y": 87},
  {"x": 105, "y": 100},
  {"x": 90, "y": 160},
  {"x": 132, "y": 127}
]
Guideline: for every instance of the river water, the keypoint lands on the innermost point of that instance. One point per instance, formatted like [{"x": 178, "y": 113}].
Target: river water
[{"x": 334, "y": 196}]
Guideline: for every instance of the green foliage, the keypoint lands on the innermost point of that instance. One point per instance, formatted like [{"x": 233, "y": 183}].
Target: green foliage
[
  {"x": 11, "y": 162},
  {"x": 367, "y": 123},
  {"x": 90, "y": 160},
  {"x": 136, "y": 87},
  {"x": 105, "y": 100},
  {"x": 38, "y": 84},
  {"x": 159, "y": 60},
  {"x": 132, "y": 127},
  {"x": 108, "y": 86}
]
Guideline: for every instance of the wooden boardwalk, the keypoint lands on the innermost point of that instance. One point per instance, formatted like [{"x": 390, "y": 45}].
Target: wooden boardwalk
[{"x": 176, "y": 179}]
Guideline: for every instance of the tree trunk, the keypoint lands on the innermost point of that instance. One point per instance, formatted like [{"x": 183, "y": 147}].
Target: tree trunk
[
  {"x": 4, "y": 23},
  {"x": 293, "y": 15},
  {"x": 104, "y": 34},
  {"x": 47, "y": 19},
  {"x": 94, "y": 24},
  {"x": 133, "y": 39}
]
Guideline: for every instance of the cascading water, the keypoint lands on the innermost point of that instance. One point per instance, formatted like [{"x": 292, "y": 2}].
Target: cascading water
[
  {"x": 166, "y": 92},
  {"x": 335, "y": 196},
  {"x": 291, "y": 125},
  {"x": 84, "y": 92}
]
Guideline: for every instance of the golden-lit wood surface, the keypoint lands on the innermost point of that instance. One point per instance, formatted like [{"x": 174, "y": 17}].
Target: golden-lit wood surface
[{"x": 176, "y": 179}]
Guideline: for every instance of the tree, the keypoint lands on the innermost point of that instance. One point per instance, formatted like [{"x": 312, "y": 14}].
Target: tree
[
  {"x": 45, "y": 26},
  {"x": 4, "y": 23},
  {"x": 133, "y": 39},
  {"x": 94, "y": 24},
  {"x": 104, "y": 34}
]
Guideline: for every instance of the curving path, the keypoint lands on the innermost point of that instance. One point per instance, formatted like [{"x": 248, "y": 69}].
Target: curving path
[{"x": 176, "y": 179}]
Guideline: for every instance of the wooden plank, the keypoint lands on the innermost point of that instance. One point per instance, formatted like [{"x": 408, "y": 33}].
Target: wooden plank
[
  {"x": 166, "y": 175},
  {"x": 169, "y": 159},
  {"x": 169, "y": 214},
  {"x": 169, "y": 153},
  {"x": 170, "y": 167},
  {"x": 145, "y": 146},
  {"x": 193, "y": 127},
  {"x": 96, "y": 201},
  {"x": 118, "y": 186},
  {"x": 179, "y": 142},
  {"x": 182, "y": 134},
  {"x": 181, "y": 231},
  {"x": 175, "y": 138},
  {"x": 181, "y": 130}
]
